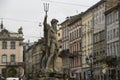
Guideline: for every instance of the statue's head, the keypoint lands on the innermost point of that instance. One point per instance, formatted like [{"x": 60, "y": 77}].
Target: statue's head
[{"x": 54, "y": 21}]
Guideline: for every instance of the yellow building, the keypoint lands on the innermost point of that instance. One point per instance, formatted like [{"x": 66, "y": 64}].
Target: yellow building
[
  {"x": 59, "y": 38},
  {"x": 59, "y": 59},
  {"x": 11, "y": 52},
  {"x": 87, "y": 38}
]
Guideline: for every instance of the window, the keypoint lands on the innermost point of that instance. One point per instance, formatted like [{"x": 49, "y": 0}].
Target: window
[
  {"x": 12, "y": 58},
  {"x": 12, "y": 45},
  {"x": 108, "y": 35},
  {"x": 117, "y": 32},
  {"x": 4, "y": 58},
  {"x": 77, "y": 33},
  {"x": 116, "y": 16},
  {"x": 107, "y": 19},
  {"x": 70, "y": 37},
  {"x": 114, "y": 33},
  {"x": 4, "y": 45}
]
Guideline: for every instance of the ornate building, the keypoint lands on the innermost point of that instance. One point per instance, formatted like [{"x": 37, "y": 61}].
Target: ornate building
[
  {"x": 65, "y": 46},
  {"x": 32, "y": 60},
  {"x": 59, "y": 39},
  {"x": 11, "y": 53},
  {"x": 87, "y": 40},
  {"x": 99, "y": 38},
  {"x": 113, "y": 38},
  {"x": 75, "y": 47}
]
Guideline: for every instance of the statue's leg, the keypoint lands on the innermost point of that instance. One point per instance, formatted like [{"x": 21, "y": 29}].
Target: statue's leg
[
  {"x": 55, "y": 58},
  {"x": 49, "y": 59}
]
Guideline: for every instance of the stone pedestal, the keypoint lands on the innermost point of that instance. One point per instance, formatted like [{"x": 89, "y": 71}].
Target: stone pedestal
[{"x": 53, "y": 76}]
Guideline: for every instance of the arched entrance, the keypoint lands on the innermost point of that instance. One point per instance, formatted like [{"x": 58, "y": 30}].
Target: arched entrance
[{"x": 11, "y": 72}]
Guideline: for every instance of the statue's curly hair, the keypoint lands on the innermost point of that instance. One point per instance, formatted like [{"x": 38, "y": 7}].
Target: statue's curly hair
[{"x": 54, "y": 21}]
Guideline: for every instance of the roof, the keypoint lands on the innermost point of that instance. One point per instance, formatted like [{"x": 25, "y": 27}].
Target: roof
[
  {"x": 111, "y": 9},
  {"x": 64, "y": 21},
  {"x": 94, "y": 6},
  {"x": 75, "y": 18},
  {"x": 70, "y": 19},
  {"x": 40, "y": 41}
]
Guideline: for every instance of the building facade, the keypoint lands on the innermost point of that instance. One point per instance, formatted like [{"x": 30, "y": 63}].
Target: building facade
[
  {"x": 99, "y": 44},
  {"x": 32, "y": 60},
  {"x": 113, "y": 37},
  {"x": 28, "y": 63},
  {"x": 87, "y": 40},
  {"x": 59, "y": 39},
  {"x": 75, "y": 47},
  {"x": 11, "y": 53},
  {"x": 65, "y": 46},
  {"x": 100, "y": 41},
  {"x": 37, "y": 51},
  {"x": 65, "y": 34}
]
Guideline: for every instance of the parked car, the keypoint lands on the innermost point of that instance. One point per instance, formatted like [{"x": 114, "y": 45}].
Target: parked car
[{"x": 11, "y": 78}]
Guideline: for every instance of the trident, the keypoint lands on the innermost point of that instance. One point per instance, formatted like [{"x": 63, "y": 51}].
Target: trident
[{"x": 46, "y": 7}]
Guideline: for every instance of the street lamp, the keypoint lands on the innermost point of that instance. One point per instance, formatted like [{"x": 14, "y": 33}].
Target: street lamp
[{"x": 90, "y": 60}]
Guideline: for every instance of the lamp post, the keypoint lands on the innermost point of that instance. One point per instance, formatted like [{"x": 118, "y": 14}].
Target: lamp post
[{"x": 90, "y": 59}]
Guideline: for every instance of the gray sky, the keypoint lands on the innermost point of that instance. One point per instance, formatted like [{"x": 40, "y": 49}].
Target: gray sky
[{"x": 28, "y": 14}]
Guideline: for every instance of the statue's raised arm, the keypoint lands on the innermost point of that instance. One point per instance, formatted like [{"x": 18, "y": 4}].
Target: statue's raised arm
[
  {"x": 47, "y": 30},
  {"x": 45, "y": 20}
]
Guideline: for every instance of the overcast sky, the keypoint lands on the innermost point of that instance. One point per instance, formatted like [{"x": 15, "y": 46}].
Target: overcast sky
[{"x": 28, "y": 14}]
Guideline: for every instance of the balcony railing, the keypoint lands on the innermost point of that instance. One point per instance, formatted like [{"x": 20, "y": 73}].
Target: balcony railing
[{"x": 14, "y": 63}]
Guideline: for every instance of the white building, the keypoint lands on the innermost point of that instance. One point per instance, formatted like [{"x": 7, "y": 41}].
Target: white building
[
  {"x": 11, "y": 52},
  {"x": 113, "y": 37},
  {"x": 112, "y": 28}
]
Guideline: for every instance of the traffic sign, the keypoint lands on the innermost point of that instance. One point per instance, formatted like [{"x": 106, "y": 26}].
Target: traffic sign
[{"x": 89, "y": 73}]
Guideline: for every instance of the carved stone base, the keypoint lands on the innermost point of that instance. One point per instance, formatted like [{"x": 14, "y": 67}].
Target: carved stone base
[
  {"x": 50, "y": 78},
  {"x": 53, "y": 76}
]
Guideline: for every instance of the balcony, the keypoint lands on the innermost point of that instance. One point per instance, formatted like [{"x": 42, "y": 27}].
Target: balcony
[
  {"x": 14, "y": 63},
  {"x": 64, "y": 53},
  {"x": 74, "y": 54}
]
